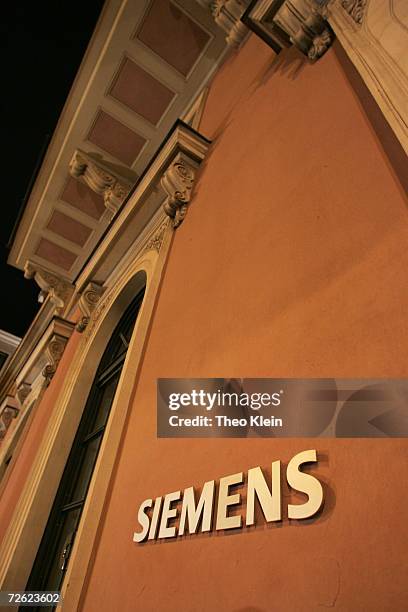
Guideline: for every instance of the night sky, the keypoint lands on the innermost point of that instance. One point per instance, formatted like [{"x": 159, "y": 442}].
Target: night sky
[{"x": 43, "y": 45}]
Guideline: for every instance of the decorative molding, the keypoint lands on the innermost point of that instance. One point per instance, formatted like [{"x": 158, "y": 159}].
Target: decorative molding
[
  {"x": 44, "y": 358},
  {"x": 374, "y": 34},
  {"x": 56, "y": 287},
  {"x": 8, "y": 342},
  {"x": 154, "y": 244},
  {"x": 97, "y": 313},
  {"x": 87, "y": 304},
  {"x": 145, "y": 200},
  {"x": 113, "y": 188},
  {"x": 285, "y": 22},
  {"x": 178, "y": 181},
  {"x": 15, "y": 370},
  {"x": 355, "y": 8},
  {"x": 195, "y": 112},
  {"x": 227, "y": 14}
]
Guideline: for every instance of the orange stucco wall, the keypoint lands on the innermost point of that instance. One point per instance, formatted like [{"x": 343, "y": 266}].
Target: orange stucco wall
[
  {"x": 32, "y": 437},
  {"x": 291, "y": 263}
]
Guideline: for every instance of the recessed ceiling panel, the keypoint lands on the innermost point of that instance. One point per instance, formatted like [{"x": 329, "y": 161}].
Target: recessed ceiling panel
[
  {"x": 55, "y": 254},
  {"x": 69, "y": 228},
  {"x": 141, "y": 92},
  {"x": 112, "y": 136},
  {"x": 171, "y": 34},
  {"x": 80, "y": 196}
]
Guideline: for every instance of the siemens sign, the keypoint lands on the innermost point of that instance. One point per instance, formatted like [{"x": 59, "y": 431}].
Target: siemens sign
[{"x": 180, "y": 513}]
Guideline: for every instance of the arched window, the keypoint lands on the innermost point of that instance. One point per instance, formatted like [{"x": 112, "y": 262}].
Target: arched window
[{"x": 53, "y": 554}]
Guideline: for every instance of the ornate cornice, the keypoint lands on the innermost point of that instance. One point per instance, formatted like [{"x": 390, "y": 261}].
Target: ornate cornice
[
  {"x": 56, "y": 287},
  {"x": 178, "y": 181},
  {"x": 355, "y": 8},
  {"x": 113, "y": 188},
  {"x": 87, "y": 304},
  {"x": 168, "y": 177}
]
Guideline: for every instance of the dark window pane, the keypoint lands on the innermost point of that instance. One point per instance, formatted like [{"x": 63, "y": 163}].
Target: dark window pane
[{"x": 68, "y": 526}]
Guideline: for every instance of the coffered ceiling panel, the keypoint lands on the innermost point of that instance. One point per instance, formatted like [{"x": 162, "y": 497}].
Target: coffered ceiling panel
[
  {"x": 115, "y": 138},
  {"x": 80, "y": 196},
  {"x": 146, "y": 64},
  {"x": 173, "y": 35},
  {"x": 68, "y": 228},
  {"x": 141, "y": 92},
  {"x": 55, "y": 254}
]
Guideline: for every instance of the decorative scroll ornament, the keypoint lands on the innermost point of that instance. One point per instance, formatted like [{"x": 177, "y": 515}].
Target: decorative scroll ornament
[
  {"x": 178, "y": 182},
  {"x": 154, "y": 244},
  {"x": 57, "y": 288},
  {"x": 355, "y": 8},
  {"x": 97, "y": 313},
  {"x": 227, "y": 14},
  {"x": 100, "y": 179},
  {"x": 23, "y": 392},
  {"x": 87, "y": 304},
  {"x": 54, "y": 351}
]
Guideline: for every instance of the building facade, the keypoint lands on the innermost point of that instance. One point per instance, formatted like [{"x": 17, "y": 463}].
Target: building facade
[{"x": 224, "y": 196}]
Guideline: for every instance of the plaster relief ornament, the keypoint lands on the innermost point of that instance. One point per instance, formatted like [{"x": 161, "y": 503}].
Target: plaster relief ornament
[
  {"x": 87, "y": 304},
  {"x": 154, "y": 244},
  {"x": 54, "y": 352},
  {"x": 355, "y": 8}
]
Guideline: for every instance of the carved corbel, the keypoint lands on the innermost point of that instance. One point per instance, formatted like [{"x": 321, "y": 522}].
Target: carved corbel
[
  {"x": 57, "y": 288},
  {"x": 87, "y": 303},
  {"x": 9, "y": 411},
  {"x": 177, "y": 181},
  {"x": 227, "y": 14},
  {"x": 100, "y": 179},
  {"x": 23, "y": 392},
  {"x": 297, "y": 22},
  {"x": 53, "y": 352}
]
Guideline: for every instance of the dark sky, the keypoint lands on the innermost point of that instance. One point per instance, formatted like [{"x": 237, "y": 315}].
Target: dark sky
[{"x": 43, "y": 45}]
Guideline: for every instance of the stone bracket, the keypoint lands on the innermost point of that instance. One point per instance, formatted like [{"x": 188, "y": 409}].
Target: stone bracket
[
  {"x": 102, "y": 180},
  {"x": 53, "y": 352},
  {"x": 8, "y": 411},
  {"x": 23, "y": 391},
  {"x": 58, "y": 289},
  {"x": 297, "y": 22},
  {"x": 87, "y": 304},
  {"x": 178, "y": 181},
  {"x": 227, "y": 14}
]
